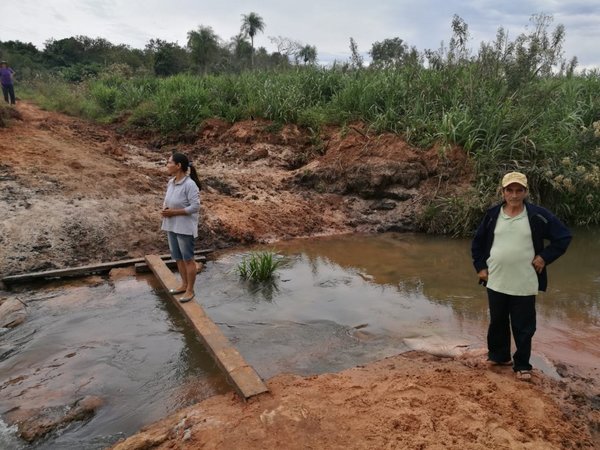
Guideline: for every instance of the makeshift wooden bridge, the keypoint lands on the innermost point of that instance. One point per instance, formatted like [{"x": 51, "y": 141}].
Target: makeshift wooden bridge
[
  {"x": 90, "y": 269},
  {"x": 239, "y": 373}
]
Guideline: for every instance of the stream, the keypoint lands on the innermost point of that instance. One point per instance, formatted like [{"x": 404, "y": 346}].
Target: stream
[{"x": 336, "y": 302}]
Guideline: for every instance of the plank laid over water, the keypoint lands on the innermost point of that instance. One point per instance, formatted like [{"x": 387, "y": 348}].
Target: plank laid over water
[
  {"x": 142, "y": 267},
  {"x": 241, "y": 375},
  {"x": 82, "y": 270}
]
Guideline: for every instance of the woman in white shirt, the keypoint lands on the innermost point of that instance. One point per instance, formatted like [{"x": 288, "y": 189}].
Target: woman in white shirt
[{"x": 180, "y": 220}]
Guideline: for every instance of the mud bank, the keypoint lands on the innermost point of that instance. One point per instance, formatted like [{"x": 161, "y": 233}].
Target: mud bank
[{"x": 76, "y": 193}]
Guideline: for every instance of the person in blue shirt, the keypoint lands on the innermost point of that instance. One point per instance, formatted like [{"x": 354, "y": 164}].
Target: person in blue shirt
[
  {"x": 510, "y": 257},
  {"x": 6, "y": 79}
]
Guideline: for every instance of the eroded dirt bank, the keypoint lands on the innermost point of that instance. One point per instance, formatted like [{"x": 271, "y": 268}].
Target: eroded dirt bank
[{"x": 74, "y": 193}]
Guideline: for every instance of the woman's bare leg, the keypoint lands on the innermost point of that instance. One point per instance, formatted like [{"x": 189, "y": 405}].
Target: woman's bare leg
[
  {"x": 182, "y": 268},
  {"x": 190, "y": 269}
]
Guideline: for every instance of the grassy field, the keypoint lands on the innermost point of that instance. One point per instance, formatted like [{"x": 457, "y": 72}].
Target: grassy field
[{"x": 549, "y": 127}]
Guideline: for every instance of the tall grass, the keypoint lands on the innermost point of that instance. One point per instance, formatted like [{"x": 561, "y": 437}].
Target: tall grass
[{"x": 546, "y": 127}]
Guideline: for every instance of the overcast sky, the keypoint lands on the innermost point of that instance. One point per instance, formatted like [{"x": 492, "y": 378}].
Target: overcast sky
[{"x": 327, "y": 24}]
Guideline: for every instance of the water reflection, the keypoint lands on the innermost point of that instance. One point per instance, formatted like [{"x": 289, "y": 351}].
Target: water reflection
[{"x": 440, "y": 268}]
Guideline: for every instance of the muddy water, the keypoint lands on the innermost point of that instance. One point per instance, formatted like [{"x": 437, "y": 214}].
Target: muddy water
[
  {"x": 115, "y": 339},
  {"x": 347, "y": 300},
  {"x": 337, "y": 302}
]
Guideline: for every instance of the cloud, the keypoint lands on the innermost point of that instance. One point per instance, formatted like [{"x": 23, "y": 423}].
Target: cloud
[{"x": 326, "y": 24}]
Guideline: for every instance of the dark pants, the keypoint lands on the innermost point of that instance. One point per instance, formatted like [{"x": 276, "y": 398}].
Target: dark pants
[
  {"x": 9, "y": 92},
  {"x": 508, "y": 311}
]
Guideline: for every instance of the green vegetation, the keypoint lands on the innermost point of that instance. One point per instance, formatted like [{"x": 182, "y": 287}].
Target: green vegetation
[
  {"x": 515, "y": 105},
  {"x": 258, "y": 266}
]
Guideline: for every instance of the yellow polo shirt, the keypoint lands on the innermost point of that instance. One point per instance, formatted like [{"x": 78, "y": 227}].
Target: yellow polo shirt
[{"x": 509, "y": 266}]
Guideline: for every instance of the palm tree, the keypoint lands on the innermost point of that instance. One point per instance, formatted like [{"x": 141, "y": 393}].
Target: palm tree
[
  {"x": 204, "y": 46},
  {"x": 251, "y": 24},
  {"x": 308, "y": 54}
]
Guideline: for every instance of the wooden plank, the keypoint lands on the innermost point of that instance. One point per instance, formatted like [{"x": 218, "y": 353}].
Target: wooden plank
[
  {"x": 82, "y": 270},
  {"x": 239, "y": 373},
  {"x": 142, "y": 267}
]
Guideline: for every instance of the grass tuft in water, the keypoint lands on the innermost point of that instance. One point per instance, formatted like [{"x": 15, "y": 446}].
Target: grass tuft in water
[{"x": 258, "y": 266}]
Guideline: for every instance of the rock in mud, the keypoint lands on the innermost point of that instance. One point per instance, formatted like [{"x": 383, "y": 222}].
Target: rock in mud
[
  {"x": 12, "y": 313},
  {"x": 35, "y": 423}
]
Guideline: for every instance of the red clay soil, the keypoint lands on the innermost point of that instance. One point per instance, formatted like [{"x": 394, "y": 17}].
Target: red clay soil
[
  {"x": 411, "y": 401},
  {"x": 74, "y": 193}
]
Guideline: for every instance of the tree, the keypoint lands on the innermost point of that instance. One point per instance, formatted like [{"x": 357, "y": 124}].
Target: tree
[
  {"x": 356, "y": 60},
  {"x": 78, "y": 50},
  {"x": 458, "y": 51},
  {"x": 251, "y": 24},
  {"x": 389, "y": 52},
  {"x": 168, "y": 58},
  {"x": 204, "y": 47},
  {"x": 308, "y": 54},
  {"x": 286, "y": 46},
  {"x": 63, "y": 52},
  {"x": 532, "y": 54},
  {"x": 25, "y": 57},
  {"x": 22, "y": 48},
  {"x": 124, "y": 54},
  {"x": 538, "y": 52},
  {"x": 241, "y": 51}
]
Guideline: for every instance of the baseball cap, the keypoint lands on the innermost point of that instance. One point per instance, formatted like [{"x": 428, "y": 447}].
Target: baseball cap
[{"x": 514, "y": 177}]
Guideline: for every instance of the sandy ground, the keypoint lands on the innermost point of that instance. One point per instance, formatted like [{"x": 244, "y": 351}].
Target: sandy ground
[
  {"x": 412, "y": 401},
  {"x": 74, "y": 193}
]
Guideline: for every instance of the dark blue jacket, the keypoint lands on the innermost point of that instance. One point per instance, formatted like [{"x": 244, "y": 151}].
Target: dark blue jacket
[{"x": 544, "y": 225}]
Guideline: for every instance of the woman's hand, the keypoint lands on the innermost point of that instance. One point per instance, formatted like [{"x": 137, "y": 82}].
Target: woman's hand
[
  {"x": 483, "y": 275},
  {"x": 538, "y": 263},
  {"x": 169, "y": 212}
]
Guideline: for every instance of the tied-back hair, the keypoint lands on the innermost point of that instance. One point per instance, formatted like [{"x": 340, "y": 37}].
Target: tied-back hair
[{"x": 180, "y": 158}]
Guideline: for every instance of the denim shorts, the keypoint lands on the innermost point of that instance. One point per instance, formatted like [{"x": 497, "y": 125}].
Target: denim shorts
[{"x": 181, "y": 246}]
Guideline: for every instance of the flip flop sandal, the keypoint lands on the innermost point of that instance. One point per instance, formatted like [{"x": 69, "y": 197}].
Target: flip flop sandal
[
  {"x": 176, "y": 291},
  {"x": 186, "y": 299},
  {"x": 524, "y": 375}
]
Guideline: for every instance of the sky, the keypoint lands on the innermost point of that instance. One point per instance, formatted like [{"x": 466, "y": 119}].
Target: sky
[{"x": 326, "y": 24}]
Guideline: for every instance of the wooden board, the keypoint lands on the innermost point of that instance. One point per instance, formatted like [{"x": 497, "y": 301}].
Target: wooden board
[
  {"x": 82, "y": 270},
  {"x": 241, "y": 375},
  {"x": 142, "y": 267}
]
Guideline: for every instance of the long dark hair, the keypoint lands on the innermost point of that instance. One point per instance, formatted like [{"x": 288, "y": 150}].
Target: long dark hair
[{"x": 180, "y": 158}]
